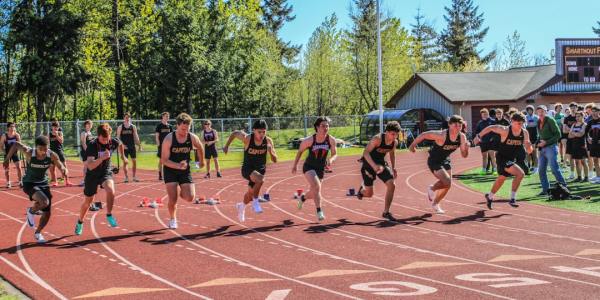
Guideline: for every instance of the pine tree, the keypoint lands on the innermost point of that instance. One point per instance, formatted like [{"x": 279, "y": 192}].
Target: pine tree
[
  {"x": 275, "y": 14},
  {"x": 597, "y": 30},
  {"x": 463, "y": 34},
  {"x": 426, "y": 48}
]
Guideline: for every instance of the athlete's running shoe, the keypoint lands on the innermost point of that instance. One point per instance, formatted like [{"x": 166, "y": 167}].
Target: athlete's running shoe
[
  {"x": 488, "y": 201},
  {"x": 78, "y": 228},
  {"x": 241, "y": 208},
  {"x": 173, "y": 224},
  {"x": 111, "y": 220},
  {"x": 39, "y": 238},
  {"x": 320, "y": 215},
  {"x": 30, "y": 218}
]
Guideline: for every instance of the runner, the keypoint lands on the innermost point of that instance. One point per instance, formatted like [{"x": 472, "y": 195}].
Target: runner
[
  {"x": 578, "y": 147},
  {"x": 254, "y": 167},
  {"x": 375, "y": 166},
  {"x": 35, "y": 182},
  {"x": 512, "y": 139},
  {"x": 56, "y": 145},
  {"x": 127, "y": 133},
  {"x": 444, "y": 143},
  {"x": 319, "y": 146},
  {"x": 210, "y": 138},
  {"x": 7, "y": 140},
  {"x": 162, "y": 130},
  {"x": 175, "y": 157},
  {"x": 593, "y": 134},
  {"x": 99, "y": 173}
]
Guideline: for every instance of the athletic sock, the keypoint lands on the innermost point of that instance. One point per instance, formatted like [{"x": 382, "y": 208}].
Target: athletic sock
[
  {"x": 79, "y": 222},
  {"x": 109, "y": 215},
  {"x": 491, "y": 195},
  {"x": 513, "y": 195},
  {"x": 318, "y": 209}
]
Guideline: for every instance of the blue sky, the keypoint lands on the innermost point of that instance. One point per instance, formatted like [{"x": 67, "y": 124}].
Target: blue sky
[{"x": 539, "y": 22}]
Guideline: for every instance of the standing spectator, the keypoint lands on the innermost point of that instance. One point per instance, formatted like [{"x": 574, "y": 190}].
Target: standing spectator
[
  {"x": 578, "y": 142},
  {"x": 549, "y": 135},
  {"x": 532, "y": 128},
  {"x": 593, "y": 134},
  {"x": 568, "y": 122},
  {"x": 486, "y": 142},
  {"x": 210, "y": 138},
  {"x": 559, "y": 116}
]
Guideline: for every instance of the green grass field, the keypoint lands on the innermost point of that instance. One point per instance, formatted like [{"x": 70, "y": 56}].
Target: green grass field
[
  {"x": 530, "y": 187},
  {"x": 4, "y": 295}
]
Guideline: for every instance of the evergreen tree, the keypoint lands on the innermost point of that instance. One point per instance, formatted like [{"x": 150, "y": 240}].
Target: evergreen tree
[{"x": 426, "y": 48}]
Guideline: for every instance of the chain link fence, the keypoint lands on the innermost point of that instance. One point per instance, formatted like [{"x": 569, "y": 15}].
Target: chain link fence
[{"x": 283, "y": 130}]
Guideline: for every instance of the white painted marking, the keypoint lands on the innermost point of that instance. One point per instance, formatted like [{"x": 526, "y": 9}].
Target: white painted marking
[
  {"x": 500, "y": 277},
  {"x": 278, "y": 295},
  {"x": 590, "y": 271},
  {"x": 419, "y": 289}
]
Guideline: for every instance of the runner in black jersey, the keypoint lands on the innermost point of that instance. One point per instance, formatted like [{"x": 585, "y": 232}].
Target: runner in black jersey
[
  {"x": 7, "y": 140},
  {"x": 210, "y": 138},
  {"x": 578, "y": 147},
  {"x": 593, "y": 137},
  {"x": 35, "y": 182},
  {"x": 318, "y": 145},
  {"x": 128, "y": 135},
  {"x": 513, "y": 138},
  {"x": 99, "y": 173},
  {"x": 256, "y": 147},
  {"x": 375, "y": 166},
  {"x": 85, "y": 137},
  {"x": 175, "y": 157},
  {"x": 568, "y": 122},
  {"x": 444, "y": 143},
  {"x": 162, "y": 130},
  {"x": 56, "y": 145}
]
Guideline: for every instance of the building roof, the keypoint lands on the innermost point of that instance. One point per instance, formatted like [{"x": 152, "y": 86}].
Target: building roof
[{"x": 511, "y": 85}]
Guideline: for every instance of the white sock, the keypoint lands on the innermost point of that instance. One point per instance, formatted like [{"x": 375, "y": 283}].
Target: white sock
[
  {"x": 513, "y": 195},
  {"x": 491, "y": 195},
  {"x": 254, "y": 199}
]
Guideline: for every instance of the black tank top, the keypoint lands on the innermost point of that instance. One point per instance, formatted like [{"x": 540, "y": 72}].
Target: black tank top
[
  {"x": 378, "y": 154},
  {"x": 9, "y": 142},
  {"x": 578, "y": 142},
  {"x": 209, "y": 137},
  {"x": 55, "y": 144},
  {"x": 317, "y": 155},
  {"x": 181, "y": 151},
  {"x": 88, "y": 139},
  {"x": 510, "y": 147},
  {"x": 255, "y": 156},
  {"x": 441, "y": 153},
  {"x": 127, "y": 135}
]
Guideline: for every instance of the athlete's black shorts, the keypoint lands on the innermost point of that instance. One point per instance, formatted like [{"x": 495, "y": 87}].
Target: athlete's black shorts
[
  {"x": 177, "y": 176},
  {"x": 92, "y": 181},
  {"x": 210, "y": 152},
  {"x": 503, "y": 164},
  {"x": 595, "y": 150},
  {"x": 14, "y": 158},
  {"x": 578, "y": 152},
  {"x": 247, "y": 171},
  {"x": 436, "y": 165},
  {"x": 130, "y": 151},
  {"x": 569, "y": 149},
  {"x": 485, "y": 147},
  {"x": 564, "y": 136},
  {"x": 31, "y": 188},
  {"x": 320, "y": 171},
  {"x": 369, "y": 175},
  {"x": 82, "y": 155},
  {"x": 60, "y": 154}
]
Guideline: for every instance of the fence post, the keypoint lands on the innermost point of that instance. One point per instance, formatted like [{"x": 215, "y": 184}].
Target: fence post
[
  {"x": 305, "y": 125},
  {"x": 222, "y": 133},
  {"x": 77, "y": 131},
  {"x": 249, "y": 124}
]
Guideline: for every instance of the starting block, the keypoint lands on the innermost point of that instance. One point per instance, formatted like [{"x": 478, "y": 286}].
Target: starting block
[
  {"x": 266, "y": 196},
  {"x": 351, "y": 192},
  {"x": 145, "y": 202},
  {"x": 298, "y": 193}
]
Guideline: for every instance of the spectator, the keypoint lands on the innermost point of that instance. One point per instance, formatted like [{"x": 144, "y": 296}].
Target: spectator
[
  {"x": 486, "y": 142},
  {"x": 549, "y": 136}
]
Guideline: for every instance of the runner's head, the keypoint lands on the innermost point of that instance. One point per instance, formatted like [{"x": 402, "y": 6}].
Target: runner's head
[
  {"x": 41, "y": 145},
  {"x": 455, "y": 123},
  {"x": 207, "y": 124},
  {"x": 321, "y": 125},
  {"x": 392, "y": 130},
  {"x": 517, "y": 119},
  {"x": 126, "y": 118},
  {"x": 259, "y": 128},
  {"x": 11, "y": 127},
  {"x": 579, "y": 116},
  {"x": 104, "y": 131},
  {"x": 87, "y": 125},
  {"x": 184, "y": 121},
  {"x": 54, "y": 126},
  {"x": 485, "y": 113},
  {"x": 165, "y": 117}
]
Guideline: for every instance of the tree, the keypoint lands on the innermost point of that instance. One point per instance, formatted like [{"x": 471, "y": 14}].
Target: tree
[
  {"x": 463, "y": 34},
  {"x": 513, "y": 54},
  {"x": 597, "y": 30},
  {"x": 426, "y": 47},
  {"x": 275, "y": 14}
]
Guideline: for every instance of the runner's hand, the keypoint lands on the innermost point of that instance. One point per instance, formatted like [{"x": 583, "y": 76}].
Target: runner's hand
[
  {"x": 183, "y": 165},
  {"x": 225, "y": 149},
  {"x": 105, "y": 155},
  {"x": 379, "y": 169},
  {"x": 412, "y": 149},
  {"x": 395, "y": 174},
  {"x": 476, "y": 141},
  {"x": 294, "y": 170},
  {"x": 6, "y": 164}
]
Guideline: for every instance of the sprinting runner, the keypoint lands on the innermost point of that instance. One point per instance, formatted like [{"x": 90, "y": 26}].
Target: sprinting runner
[
  {"x": 162, "y": 130},
  {"x": 593, "y": 134},
  {"x": 85, "y": 138},
  {"x": 578, "y": 147},
  {"x": 254, "y": 167},
  {"x": 319, "y": 146},
  {"x": 99, "y": 173},
  {"x": 35, "y": 182},
  {"x": 56, "y": 145},
  {"x": 375, "y": 166},
  {"x": 210, "y": 138},
  {"x": 175, "y": 157},
  {"x": 128, "y": 135},
  {"x": 512, "y": 139},
  {"x": 7, "y": 140},
  {"x": 444, "y": 143}
]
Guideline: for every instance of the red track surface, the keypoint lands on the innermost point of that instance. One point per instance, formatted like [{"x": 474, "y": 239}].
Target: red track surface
[{"x": 531, "y": 252}]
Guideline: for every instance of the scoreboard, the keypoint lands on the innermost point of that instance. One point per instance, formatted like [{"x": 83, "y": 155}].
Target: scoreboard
[{"x": 582, "y": 64}]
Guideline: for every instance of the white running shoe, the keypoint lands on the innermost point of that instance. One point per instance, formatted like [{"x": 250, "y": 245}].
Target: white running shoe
[
  {"x": 39, "y": 238},
  {"x": 241, "y": 208},
  {"x": 430, "y": 193},
  {"x": 126, "y": 179},
  {"x": 437, "y": 209},
  {"x": 173, "y": 224},
  {"x": 197, "y": 165},
  {"x": 135, "y": 179},
  {"x": 30, "y": 218},
  {"x": 534, "y": 171},
  {"x": 571, "y": 177},
  {"x": 256, "y": 206}
]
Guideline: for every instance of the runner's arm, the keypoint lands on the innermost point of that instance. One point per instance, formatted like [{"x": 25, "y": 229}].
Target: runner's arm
[
  {"x": 334, "y": 156},
  {"x": 393, "y": 159},
  {"x": 136, "y": 137},
  {"x": 18, "y": 146},
  {"x": 271, "y": 149},
  {"x": 303, "y": 146},
  {"x": 464, "y": 145},
  {"x": 60, "y": 137},
  {"x": 242, "y": 136},
  {"x": 199, "y": 149},
  {"x": 527, "y": 142},
  {"x": 427, "y": 135},
  {"x": 56, "y": 161}
]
